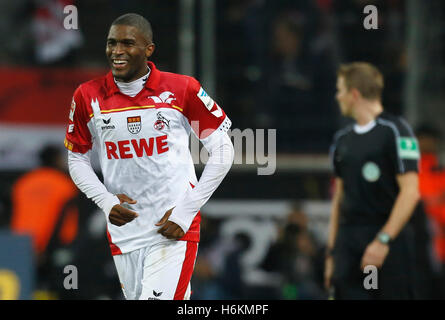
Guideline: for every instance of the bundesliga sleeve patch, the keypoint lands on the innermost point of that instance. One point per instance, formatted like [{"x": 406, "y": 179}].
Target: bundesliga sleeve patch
[
  {"x": 205, "y": 98},
  {"x": 208, "y": 102},
  {"x": 408, "y": 148}
]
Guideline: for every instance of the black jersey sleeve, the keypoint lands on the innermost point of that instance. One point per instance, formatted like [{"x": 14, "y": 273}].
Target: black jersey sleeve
[
  {"x": 333, "y": 151},
  {"x": 333, "y": 156},
  {"x": 403, "y": 147}
]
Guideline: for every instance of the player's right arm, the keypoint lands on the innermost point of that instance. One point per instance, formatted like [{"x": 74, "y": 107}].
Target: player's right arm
[
  {"x": 78, "y": 141},
  {"x": 333, "y": 228},
  {"x": 335, "y": 209},
  {"x": 83, "y": 175}
]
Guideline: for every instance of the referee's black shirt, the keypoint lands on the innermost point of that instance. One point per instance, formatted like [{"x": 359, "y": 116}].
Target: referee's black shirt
[{"x": 368, "y": 160}]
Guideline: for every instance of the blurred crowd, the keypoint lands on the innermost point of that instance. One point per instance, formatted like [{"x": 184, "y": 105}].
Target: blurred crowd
[
  {"x": 276, "y": 62},
  {"x": 67, "y": 229},
  {"x": 290, "y": 268}
]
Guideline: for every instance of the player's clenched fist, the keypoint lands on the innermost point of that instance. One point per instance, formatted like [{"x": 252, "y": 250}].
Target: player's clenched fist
[
  {"x": 169, "y": 229},
  {"x": 120, "y": 215}
]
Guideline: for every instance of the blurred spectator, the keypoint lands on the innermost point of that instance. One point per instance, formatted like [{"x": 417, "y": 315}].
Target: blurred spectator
[
  {"x": 432, "y": 188},
  {"x": 240, "y": 56},
  {"x": 205, "y": 285},
  {"x": 44, "y": 206},
  {"x": 356, "y": 42},
  {"x": 384, "y": 46},
  {"x": 218, "y": 271},
  {"x": 205, "y": 280},
  {"x": 295, "y": 256},
  {"x": 14, "y": 31},
  {"x": 53, "y": 43},
  {"x": 426, "y": 263},
  {"x": 276, "y": 71},
  {"x": 299, "y": 93},
  {"x": 231, "y": 277}
]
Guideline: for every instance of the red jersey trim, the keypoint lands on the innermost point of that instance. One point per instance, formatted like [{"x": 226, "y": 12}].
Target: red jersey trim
[
  {"x": 115, "y": 250},
  {"x": 193, "y": 234},
  {"x": 76, "y": 147},
  {"x": 186, "y": 271},
  {"x": 137, "y": 108}
]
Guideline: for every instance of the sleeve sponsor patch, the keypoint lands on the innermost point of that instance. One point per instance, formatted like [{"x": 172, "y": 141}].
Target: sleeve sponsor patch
[
  {"x": 209, "y": 103},
  {"x": 205, "y": 98},
  {"x": 408, "y": 148}
]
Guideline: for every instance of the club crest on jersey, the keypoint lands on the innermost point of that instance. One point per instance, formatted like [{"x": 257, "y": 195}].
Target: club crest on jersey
[
  {"x": 134, "y": 124},
  {"x": 161, "y": 122}
]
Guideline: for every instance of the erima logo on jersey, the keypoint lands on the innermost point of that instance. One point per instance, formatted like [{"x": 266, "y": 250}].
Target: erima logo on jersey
[
  {"x": 164, "y": 97},
  {"x": 209, "y": 103},
  {"x": 127, "y": 149},
  {"x": 107, "y": 124},
  {"x": 156, "y": 294}
]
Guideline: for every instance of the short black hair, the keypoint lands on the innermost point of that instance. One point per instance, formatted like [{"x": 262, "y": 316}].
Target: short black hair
[{"x": 137, "y": 21}]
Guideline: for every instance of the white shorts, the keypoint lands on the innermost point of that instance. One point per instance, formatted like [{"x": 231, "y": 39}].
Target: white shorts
[{"x": 159, "y": 272}]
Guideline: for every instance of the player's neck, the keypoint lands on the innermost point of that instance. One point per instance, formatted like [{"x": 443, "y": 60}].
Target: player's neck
[
  {"x": 135, "y": 80},
  {"x": 367, "y": 111},
  {"x": 134, "y": 87}
]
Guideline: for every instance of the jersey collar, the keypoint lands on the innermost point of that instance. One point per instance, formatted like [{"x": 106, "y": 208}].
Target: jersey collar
[
  {"x": 152, "y": 82},
  {"x": 365, "y": 128}
]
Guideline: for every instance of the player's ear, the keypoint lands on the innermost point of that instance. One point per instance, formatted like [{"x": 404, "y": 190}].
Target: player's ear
[
  {"x": 149, "y": 49},
  {"x": 355, "y": 93}
]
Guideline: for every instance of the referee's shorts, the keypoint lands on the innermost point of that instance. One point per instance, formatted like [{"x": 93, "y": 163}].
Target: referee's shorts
[{"x": 395, "y": 280}]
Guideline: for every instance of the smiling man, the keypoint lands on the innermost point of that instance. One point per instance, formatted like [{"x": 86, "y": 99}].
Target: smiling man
[
  {"x": 128, "y": 48},
  {"x": 139, "y": 119}
]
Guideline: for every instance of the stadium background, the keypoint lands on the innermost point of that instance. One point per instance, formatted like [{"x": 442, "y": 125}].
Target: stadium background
[{"x": 269, "y": 64}]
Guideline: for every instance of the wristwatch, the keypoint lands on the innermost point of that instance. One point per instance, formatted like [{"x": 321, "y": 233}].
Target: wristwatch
[{"x": 384, "y": 238}]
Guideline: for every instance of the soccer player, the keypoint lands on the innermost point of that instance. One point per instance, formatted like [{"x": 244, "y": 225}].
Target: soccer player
[
  {"x": 376, "y": 190},
  {"x": 139, "y": 120}
]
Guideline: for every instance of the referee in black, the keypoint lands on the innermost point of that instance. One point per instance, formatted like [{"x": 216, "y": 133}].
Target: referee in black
[{"x": 375, "y": 162}]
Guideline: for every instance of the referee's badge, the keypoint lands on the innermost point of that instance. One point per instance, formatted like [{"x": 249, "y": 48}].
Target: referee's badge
[
  {"x": 134, "y": 124},
  {"x": 408, "y": 148},
  {"x": 371, "y": 171}
]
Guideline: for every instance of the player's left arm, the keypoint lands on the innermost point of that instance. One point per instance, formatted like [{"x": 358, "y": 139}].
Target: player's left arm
[
  {"x": 210, "y": 124},
  {"x": 177, "y": 220},
  {"x": 402, "y": 211},
  {"x": 405, "y": 156},
  {"x": 405, "y": 204}
]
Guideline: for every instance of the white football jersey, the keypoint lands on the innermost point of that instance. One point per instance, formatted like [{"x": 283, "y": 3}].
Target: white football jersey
[{"x": 143, "y": 146}]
